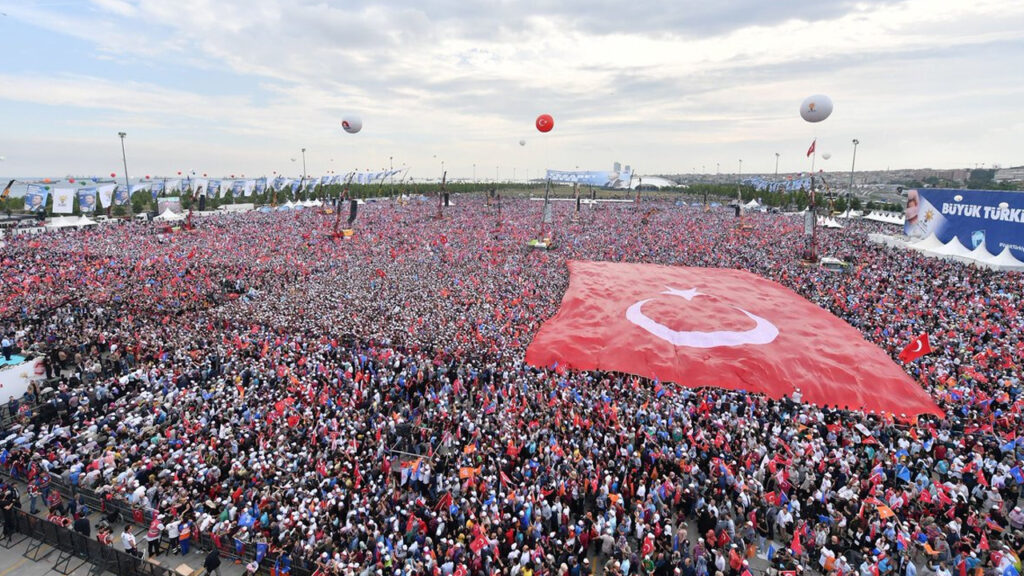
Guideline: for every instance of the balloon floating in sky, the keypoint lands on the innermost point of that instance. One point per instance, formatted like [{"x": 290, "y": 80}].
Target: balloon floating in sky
[
  {"x": 147, "y": 176},
  {"x": 113, "y": 175},
  {"x": 2, "y": 158},
  {"x": 826, "y": 155},
  {"x": 522, "y": 142},
  {"x": 71, "y": 180},
  {"x": 816, "y": 108},
  {"x": 545, "y": 123},
  {"x": 352, "y": 124},
  {"x": 179, "y": 172}
]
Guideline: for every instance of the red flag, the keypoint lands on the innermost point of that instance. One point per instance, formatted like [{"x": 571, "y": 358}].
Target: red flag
[
  {"x": 797, "y": 549},
  {"x": 918, "y": 347},
  {"x": 811, "y": 149},
  {"x": 983, "y": 545},
  {"x": 722, "y": 328}
]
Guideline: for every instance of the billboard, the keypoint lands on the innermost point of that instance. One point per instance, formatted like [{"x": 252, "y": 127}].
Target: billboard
[
  {"x": 602, "y": 178},
  {"x": 172, "y": 203},
  {"x": 973, "y": 216}
]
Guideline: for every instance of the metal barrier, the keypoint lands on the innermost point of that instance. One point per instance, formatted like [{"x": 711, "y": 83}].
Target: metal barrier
[
  {"x": 75, "y": 550},
  {"x": 101, "y": 557}
]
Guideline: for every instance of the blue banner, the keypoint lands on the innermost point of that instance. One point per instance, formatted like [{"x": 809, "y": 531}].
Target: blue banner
[
  {"x": 602, "y": 178},
  {"x": 87, "y": 200},
  {"x": 992, "y": 217},
  {"x": 121, "y": 197},
  {"x": 35, "y": 197},
  {"x": 261, "y": 185}
]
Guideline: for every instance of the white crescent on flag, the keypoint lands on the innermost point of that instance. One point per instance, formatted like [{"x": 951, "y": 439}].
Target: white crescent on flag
[{"x": 763, "y": 332}]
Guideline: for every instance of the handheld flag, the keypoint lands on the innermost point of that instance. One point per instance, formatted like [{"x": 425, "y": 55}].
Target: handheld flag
[{"x": 918, "y": 347}]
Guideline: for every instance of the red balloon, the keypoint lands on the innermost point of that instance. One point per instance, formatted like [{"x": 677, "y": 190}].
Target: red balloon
[
  {"x": 147, "y": 176},
  {"x": 204, "y": 174},
  {"x": 545, "y": 122},
  {"x": 275, "y": 171},
  {"x": 46, "y": 180},
  {"x": 71, "y": 180},
  {"x": 113, "y": 175},
  {"x": 179, "y": 172},
  {"x": 232, "y": 175}
]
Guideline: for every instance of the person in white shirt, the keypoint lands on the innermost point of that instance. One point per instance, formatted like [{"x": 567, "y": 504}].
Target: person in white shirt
[{"x": 128, "y": 540}]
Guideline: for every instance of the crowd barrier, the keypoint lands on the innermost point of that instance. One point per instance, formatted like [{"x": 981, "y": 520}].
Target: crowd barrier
[
  {"x": 74, "y": 550},
  {"x": 118, "y": 509}
]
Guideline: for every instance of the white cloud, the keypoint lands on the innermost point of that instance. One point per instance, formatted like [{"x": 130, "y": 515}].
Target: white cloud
[{"x": 696, "y": 84}]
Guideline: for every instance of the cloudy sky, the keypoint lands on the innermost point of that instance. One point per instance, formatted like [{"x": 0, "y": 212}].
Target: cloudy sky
[{"x": 240, "y": 87}]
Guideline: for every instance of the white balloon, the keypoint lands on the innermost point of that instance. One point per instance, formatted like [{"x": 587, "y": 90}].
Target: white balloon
[
  {"x": 2, "y": 158},
  {"x": 816, "y": 108},
  {"x": 522, "y": 142},
  {"x": 826, "y": 155},
  {"x": 352, "y": 124}
]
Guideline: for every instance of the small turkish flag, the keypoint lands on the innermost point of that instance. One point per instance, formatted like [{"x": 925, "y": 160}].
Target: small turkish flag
[
  {"x": 811, "y": 149},
  {"x": 918, "y": 347},
  {"x": 722, "y": 328}
]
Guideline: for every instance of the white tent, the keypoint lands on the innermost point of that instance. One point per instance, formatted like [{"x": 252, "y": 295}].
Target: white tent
[
  {"x": 886, "y": 218},
  {"x": 169, "y": 216},
  {"x": 954, "y": 250},
  {"x": 931, "y": 242},
  {"x": 1005, "y": 261},
  {"x": 69, "y": 222},
  {"x": 829, "y": 223},
  {"x": 752, "y": 205}
]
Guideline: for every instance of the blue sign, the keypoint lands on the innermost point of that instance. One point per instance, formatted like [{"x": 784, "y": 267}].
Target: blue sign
[
  {"x": 87, "y": 199},
  {"x": 975, "y": 217},
  {"x": 602, "y": 178},
  {"x": 35, "y": 197}
]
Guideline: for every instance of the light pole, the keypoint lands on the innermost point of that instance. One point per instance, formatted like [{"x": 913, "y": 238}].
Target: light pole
[
  {"x": 739, "y": 183},
  {"x": 124, "y": 158},
  {"x": 474, "y": 171},
  {"x": 849, "y": 193},
  {"x": 301, "y": 188},
  {"x": 777, "y": 166}
]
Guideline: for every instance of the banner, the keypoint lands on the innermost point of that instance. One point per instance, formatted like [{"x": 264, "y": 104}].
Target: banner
[
  {"x": 172, "y": 203},
  {"x": 992, "y": 217},
  {"x": 237, "y": 187},
  {"x": 213, "y": 188},
  {"x": 602, "y": 178},
  {"x": 35, "y": 197},
  {"x": 87, "y": 200},
  {"x": 121, "y": 197},
  {"x": 172, "y": 186},
  {"x": 199, "y": 186},
  {"x": 261, "y": 185},
  {"x": 247, "y": 187},
  {"x": 106, "y": 193},
  {"x": 63, "y": 200}
]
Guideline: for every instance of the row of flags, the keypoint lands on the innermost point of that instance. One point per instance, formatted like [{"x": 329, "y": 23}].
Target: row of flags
[{"x": 107, "y": 194}]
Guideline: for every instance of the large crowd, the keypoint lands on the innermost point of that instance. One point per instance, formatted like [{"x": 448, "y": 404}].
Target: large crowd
[{"x": 361, "y": 405}]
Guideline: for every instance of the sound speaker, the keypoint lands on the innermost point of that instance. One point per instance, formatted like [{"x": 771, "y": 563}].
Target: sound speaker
[
  {"x": 353, "y": 207},
  {"x": 446, "y": 199},
  {"x": 202, "y": 202}
]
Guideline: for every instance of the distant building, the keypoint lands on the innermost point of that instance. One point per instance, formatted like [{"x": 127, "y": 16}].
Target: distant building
[{"x": 1015, "y": 174}]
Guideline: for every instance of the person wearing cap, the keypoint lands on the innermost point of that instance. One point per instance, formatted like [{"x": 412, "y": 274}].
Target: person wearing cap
[{"x": 153, "y": 533}]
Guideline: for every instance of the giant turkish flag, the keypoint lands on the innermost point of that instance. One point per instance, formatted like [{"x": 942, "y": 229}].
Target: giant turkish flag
[{"x": 722, "y": 328}]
